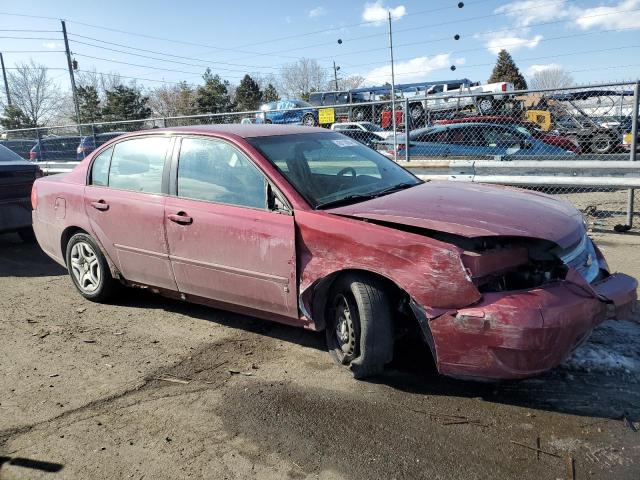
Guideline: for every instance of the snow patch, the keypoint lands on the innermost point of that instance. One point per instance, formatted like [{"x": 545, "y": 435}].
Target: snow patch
[{"x": 613, "y": 347}]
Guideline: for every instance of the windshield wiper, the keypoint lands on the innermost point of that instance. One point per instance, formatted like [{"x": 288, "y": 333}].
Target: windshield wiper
[
  {"x": 366, "y": 196},
  {"x": 347, "y": 200},
  {"x": 395, "y": 188}
]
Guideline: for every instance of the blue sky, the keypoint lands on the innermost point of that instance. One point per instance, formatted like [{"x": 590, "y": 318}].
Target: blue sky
[{"x": 595, "y": 41}]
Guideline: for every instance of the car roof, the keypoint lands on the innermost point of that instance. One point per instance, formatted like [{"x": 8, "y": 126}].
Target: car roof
[{"x": 244, "y": 131}]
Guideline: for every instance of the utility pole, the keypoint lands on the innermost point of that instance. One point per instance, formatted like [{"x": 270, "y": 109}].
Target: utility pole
[
  {"x": 70, "y": 65},
  {"x": 6, "y": 84},
  {"x": 335, "y": 73},
  {"x": 393, "y": 98}
]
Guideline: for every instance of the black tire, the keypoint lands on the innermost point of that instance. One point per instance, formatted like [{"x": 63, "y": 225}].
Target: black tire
[
  {"x": 601, "y": 143},
  {"x": 360, "y": 115},
  {"x": 268, "y": 122},
  {"x": 309, "y": 120},
  {"x": 105, "y": 285},
  {"x": 27, "y": 235},
  {"x": 366, "y": 345}
]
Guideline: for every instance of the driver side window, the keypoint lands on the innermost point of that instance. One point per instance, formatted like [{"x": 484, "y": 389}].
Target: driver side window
[{"x": 215, "y": 171}]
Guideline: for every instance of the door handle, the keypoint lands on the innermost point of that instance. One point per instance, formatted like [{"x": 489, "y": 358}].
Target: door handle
[
  {"x": 100, "y": 205},
  {"x": 181, "y": 218}
]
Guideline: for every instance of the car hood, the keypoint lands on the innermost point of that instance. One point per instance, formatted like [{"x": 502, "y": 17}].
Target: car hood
[{"x": 474, "y": 210}]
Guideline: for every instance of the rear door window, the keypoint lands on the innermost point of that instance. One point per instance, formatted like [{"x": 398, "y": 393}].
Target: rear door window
[
  {"x": 138, "y": 164},
  {"x": 215, "y": 171}
]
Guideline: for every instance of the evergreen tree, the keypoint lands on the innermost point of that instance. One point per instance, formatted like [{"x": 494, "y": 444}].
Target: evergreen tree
[
  {"x": 15, "y": 118},
  {"x": 248, "y": 95},
  {"x": 125, "y": 103},
  {"x": 270, "y": 94},
  {"x": 89, "y": 104},
  {"x": 507, "y": 71},
  {"x": 213, "y": 96}
]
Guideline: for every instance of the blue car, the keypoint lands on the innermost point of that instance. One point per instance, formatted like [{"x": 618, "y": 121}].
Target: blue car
[
  {"x": 288, "y": 111},
  {"x": 477, "y": 139}
]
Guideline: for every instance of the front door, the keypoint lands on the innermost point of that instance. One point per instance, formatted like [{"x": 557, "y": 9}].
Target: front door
[
  {"x": 125, "y": 204},
  {"x": 224, "y": 243}
]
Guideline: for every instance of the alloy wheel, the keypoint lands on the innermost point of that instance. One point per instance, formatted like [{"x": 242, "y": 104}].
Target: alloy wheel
[{"x": 85, "y": 267}]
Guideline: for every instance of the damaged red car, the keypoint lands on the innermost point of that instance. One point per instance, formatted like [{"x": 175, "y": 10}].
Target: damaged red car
[{"x": 308, "y": 227}]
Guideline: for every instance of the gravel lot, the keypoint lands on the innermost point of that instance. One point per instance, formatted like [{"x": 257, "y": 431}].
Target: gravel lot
[{"x": 152, "y": 388}]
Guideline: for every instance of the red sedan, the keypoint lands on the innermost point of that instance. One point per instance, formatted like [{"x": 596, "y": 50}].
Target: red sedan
[
  {"x": 308, "y": 227},
  {"x": 555, "y": 140}
]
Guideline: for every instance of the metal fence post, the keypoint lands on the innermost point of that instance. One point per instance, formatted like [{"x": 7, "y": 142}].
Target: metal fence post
[
  {"x": 40, "y": 146},
  {"x": 634, "y": 147},
  {"x": 406, "y": 130}
]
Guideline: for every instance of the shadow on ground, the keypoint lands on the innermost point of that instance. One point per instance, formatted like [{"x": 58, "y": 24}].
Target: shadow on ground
[
  {"x": 19, "y": 259},
  {"x": 605, "y": 394}
]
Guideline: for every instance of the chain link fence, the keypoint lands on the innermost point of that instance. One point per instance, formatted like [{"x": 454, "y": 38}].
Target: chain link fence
[{"x": 433, "y": 124}]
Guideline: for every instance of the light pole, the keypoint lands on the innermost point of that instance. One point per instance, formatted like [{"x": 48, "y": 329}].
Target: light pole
[
  {"x": 6, "y": 84},
  {"x": 393, "y": 96},
  {"x": 335, "y": 73}
]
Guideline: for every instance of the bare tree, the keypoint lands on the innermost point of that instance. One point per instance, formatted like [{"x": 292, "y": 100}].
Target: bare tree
[
  {"x": 102, "y": 82},
  {"x": 551, "y": 78},
  {"x": 173, "y": 101},
  {"x": 300, "y": 78},
  {"x": 36, "y": 94},
  {"x": 347, "y": 83}
]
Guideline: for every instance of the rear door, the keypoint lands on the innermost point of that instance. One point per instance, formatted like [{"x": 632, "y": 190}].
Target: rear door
[
  {"x": 124, "y": 201},
  {"x": 224, "y": 243}
]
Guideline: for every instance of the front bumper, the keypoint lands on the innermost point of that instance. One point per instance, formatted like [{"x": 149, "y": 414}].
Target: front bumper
[{"x": 511, "y": 335}]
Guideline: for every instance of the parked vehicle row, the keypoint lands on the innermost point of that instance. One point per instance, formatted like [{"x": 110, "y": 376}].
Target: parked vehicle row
[
  {"x": 315, "y": 230},
  {"x": 58, "y": 148}
]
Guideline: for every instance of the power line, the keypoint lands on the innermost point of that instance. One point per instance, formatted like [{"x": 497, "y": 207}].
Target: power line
[
  {"x": 33, "y": 51},
  {"x": 156, "y": 52},
  {"x": 29, "y": 38},
  {"x": 30, "y": 31}
]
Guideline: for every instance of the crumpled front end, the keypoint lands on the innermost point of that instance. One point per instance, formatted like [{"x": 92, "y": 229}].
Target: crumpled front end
[{"x": 534, "y": 312}]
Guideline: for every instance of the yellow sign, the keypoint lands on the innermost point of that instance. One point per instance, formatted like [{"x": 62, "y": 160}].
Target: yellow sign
[
  {"x": 326, "y": 115},
  {"x": 626, "y": 139},
  {"x": 541, "y": 117}
]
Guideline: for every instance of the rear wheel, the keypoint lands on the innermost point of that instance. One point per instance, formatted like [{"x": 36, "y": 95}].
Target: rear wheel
[
  {"x": 485, "y": 105},
  {"x": 27, "y": 235},
  {"x": 309, "y": 120},
  {"x": 359, "y": 325},
  {"x": 88, "y": 268}
]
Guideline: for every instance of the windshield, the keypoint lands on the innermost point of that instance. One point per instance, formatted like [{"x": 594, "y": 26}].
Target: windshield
[
  {"x": 328, "y": 169},
  {"x": 372, "y": 127}
]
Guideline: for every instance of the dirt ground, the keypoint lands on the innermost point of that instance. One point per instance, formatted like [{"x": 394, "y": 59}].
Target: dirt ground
[{"x": 150, "y": 388}]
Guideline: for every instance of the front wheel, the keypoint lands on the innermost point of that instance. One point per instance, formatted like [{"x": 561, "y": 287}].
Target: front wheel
[
  {"x": 88, "y": 268},
  {"x": 359, "y": 325},
  {"x": 601, "y": 143}
]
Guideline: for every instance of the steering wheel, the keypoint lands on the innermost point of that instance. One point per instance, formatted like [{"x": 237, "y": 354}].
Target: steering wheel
[{"x": 346, "y": 170}]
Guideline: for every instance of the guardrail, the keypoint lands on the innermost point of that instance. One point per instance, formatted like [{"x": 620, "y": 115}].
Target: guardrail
[{"x": 573, "y": 173}]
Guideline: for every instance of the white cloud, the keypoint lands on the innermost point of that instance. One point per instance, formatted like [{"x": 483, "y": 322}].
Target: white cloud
[
  {"x": 415, "y": 69},
  {"x": 317, "y": 12},
  {"x": 615, "y": 16},
  {"x": 52, "y": 45},
  {"x": 533, "y": 69},
  {"x": 511, "y": 41},
  {"x": 526, "y": 12},
  {"x": 377, "y": 13}
]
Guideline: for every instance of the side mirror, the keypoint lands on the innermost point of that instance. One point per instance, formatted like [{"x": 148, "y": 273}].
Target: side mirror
[{"x": 274, "y": 204}]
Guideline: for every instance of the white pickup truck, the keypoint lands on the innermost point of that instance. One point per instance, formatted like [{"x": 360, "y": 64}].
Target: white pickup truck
[{"x": 457, "y": 96}]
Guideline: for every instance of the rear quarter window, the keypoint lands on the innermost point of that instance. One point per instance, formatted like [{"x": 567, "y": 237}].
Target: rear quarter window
[
  {"x": 100, "y": 168},
  {"x": 138, "y": 164}
]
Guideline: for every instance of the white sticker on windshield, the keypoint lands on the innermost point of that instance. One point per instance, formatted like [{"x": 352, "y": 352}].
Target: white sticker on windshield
[{"x": 345, "y": 143}]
